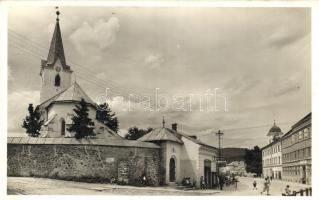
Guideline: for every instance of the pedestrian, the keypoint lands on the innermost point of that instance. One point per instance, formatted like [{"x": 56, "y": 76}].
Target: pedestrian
[
  {"x": 266, "y": 186},
  {"x": 144, "y": 181},
  {"x": 287, "y": 191},
  {"x": 221, "y": 182},
  {"x": 202, "y": 182},
  {"x": 235, "y": 181},
  {"x": 255, "y": 185}
]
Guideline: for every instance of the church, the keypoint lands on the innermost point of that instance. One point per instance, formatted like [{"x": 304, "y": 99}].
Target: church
[
  {"x": 181, "y": 155},
  {"x": 59, "y": 94}
]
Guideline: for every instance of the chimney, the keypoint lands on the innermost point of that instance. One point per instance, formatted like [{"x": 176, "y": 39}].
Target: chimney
[{"x": 174, "y": 127}]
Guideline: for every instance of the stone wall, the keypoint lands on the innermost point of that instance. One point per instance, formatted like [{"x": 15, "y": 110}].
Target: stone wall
[{"x": 81, "y": 162}]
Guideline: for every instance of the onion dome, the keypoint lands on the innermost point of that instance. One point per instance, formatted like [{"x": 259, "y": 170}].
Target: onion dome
[{"x": 274, "y": 130}]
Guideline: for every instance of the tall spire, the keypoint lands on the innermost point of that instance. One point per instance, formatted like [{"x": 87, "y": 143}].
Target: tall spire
[{"x": 56, "y": 47}]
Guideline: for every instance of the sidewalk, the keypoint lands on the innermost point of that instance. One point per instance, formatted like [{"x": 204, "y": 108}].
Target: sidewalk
[{"x": 43, "y": 186}]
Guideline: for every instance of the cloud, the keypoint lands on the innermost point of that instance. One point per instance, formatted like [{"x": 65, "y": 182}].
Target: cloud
[
  {"x": 97, "y": 36},
  {"x": 17, "y": 109},
  {"x": 154, "y": 60},
  {"x": 251, "y": 55}
]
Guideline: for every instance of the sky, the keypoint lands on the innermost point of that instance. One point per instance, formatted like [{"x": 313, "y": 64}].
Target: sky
[{"x": 257, "y": 60}]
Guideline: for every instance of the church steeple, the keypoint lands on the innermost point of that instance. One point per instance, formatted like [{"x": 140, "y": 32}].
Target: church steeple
[
  {"x": 56, "y": 50},
  {"x": 55, "y": 73}
]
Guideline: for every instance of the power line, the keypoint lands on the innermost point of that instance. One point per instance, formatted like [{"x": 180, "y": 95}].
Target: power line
[
  {"x": 91, "y": 81},
  {"x": 22, "y": 39},
  {"x": 248, "y": 127}
]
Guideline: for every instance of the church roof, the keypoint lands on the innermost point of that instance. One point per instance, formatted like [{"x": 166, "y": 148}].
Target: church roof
[
  {"x": 73, "y": 94},
  {"x": 56, "y": 51},
  {"x": 56, "y": 47},
  {"x": 161, "y": 134}
]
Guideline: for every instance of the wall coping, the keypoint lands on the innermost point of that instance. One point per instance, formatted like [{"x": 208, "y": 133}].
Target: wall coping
[{"x": 73, "y": 141}]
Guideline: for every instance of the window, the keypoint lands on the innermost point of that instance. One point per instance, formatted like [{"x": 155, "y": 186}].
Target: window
[
  {"x": 279, "y": 160},
  {"x": 57, "y": 80},
  {"x": 300, "y": 135},
  {"x": 305, "y": 132}
]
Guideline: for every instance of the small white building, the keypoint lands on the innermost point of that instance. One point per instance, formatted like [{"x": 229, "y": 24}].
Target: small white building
[
  {"x": 235, "y": 167},
  {"x": 184, "y": 156}
]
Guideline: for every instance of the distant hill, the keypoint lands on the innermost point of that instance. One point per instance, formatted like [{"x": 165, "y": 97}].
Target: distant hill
[{"x": 233, "y": 154}]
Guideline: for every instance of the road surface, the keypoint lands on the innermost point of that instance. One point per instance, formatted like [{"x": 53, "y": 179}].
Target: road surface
[{"x": 43, "y": 186}]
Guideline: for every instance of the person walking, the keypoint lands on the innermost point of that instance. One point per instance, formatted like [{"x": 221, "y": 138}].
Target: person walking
[
  {"x": 266, "y": 186},
  {"x": 254, "y": 185},
  {"x": 221, "y": 182},
  {"x": 202, "y": 182}
]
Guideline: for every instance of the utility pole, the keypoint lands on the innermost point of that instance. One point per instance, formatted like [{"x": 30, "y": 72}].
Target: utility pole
[{"x": 219, "y": 134}]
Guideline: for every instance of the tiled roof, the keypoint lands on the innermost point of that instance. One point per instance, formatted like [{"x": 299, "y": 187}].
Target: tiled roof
[
  {"x": 73, "y": 93},
  {"x": 166, "y": 134},
  {"x": 197, "y": 141},
  {"x": 161, "y": 134},
  {"x": 73, "y": 141}
]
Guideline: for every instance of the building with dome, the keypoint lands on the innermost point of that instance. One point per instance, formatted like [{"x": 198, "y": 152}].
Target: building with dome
[
  {"x": 271, "y": 154},
  {"x": 274, "y": 133},
  {"x": 288, "y": 156}
]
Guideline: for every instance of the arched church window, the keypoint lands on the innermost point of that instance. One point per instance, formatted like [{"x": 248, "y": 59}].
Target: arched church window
[{"x": 57, "y": 80}]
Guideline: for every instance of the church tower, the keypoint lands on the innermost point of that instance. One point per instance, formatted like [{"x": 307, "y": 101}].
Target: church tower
[{"x": 55, "y": 73}]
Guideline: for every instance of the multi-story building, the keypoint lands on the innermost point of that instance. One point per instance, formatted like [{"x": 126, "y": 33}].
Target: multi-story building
[
  {"x": 296, "y": 151},
  {"x": 271, "y": 154}
]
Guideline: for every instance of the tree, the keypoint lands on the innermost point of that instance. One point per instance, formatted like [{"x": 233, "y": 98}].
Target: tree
[
  {"x": 105, "y": 115},
  {"x": 253, "y": 160},
  {"x": 135, "y": 133},
  {"x": 32, "y": 122},
  {"x": 82, "y": 125}
]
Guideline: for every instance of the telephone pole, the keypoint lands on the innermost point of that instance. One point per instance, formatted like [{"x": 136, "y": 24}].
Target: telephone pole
[{"x": 219, "y": 134}]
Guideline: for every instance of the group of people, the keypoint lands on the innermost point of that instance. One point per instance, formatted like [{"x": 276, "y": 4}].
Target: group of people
[
  {"x": 188, "y": 182},
  {"x": 266, "y": 187},
  {"x": 203, "y": 183}
]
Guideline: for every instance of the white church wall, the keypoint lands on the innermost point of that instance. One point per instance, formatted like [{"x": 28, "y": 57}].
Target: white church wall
[
  {"x": 53, "y": 128},
  {"x": 62, "y": 110}
]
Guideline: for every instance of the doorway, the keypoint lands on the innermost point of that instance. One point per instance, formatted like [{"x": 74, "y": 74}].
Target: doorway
[
  {"x": 172, "y": 170},
  {"x": 208, "y": 173}
]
